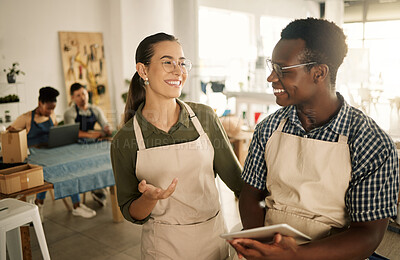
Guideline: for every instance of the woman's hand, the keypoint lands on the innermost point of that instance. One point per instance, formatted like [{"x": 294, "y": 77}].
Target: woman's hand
[
  {"x": 154, "y": 193},
  {"x": 282, "y": 247}
]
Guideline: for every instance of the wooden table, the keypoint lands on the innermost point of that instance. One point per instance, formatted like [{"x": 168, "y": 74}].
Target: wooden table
[
  {"x": 78, "y": 168},
  {"x": 21, "y": 195}
]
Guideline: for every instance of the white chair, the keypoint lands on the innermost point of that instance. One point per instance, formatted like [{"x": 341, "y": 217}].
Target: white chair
[{"x": 13, "y": 214}]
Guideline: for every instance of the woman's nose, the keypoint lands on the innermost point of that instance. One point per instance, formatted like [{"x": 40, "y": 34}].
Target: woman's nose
[{"x": 177, "y": 70}]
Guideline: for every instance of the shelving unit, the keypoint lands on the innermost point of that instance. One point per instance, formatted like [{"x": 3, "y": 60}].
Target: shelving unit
[
  {"x": 15, "y": 108},
  {"x": 249, "y": 99}
]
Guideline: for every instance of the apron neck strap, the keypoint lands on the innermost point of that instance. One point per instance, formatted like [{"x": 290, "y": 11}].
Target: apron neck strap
[
  {"x": 342, "y": 139},
  {"x": 194, "y": 119},
  {"x": 33, "y": 115},
  {"x": 138, "y": 134},
  {"x": 281, "y": 125}
]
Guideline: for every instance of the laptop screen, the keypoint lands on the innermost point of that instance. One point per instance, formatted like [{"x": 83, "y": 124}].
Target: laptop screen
[{"x": 63, "y": 135}]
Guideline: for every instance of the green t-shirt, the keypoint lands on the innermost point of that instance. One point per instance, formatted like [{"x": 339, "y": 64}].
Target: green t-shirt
[{"x": 124, "y": 149}]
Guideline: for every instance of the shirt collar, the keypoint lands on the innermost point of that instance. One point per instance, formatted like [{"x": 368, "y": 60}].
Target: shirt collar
[
  {"x": 148, "y": 129},
  {"x": 338, "y": 124}
]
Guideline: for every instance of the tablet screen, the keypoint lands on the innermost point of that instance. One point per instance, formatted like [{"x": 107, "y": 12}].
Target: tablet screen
[{"x": 267, "y": 233}]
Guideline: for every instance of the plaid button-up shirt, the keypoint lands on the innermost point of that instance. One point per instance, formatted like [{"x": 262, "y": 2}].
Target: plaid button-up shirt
[{"x": 374, "y": 185}]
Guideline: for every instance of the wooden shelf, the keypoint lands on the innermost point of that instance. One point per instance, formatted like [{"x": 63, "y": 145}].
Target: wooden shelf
[
  {"x": 20, "y": 194},
  {"x": 15, "y": 108}
]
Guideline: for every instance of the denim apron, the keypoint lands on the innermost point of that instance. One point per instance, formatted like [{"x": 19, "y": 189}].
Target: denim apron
[
  {"x": 39, "y": 132},
  {"x": 86, "y": 123}
]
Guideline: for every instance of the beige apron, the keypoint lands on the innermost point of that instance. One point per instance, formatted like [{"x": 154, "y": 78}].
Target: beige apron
[
  {"x": 186, "y": 225},
  {"x": 307, "y": 180}
]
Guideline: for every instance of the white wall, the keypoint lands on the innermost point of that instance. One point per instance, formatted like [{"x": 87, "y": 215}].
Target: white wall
[
  {"x": 140, "y": 19},
  {"x": 28, "y": 35}
]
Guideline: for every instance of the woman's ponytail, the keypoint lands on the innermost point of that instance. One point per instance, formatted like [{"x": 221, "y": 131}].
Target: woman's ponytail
[{"x": 136, "y": 95}]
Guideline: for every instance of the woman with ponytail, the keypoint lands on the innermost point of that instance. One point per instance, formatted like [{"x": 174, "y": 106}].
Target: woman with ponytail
[{"x": 166, "y": 156}]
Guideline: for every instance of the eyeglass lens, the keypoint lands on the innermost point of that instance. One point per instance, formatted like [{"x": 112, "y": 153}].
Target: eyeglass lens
[
  {"x": 185, "y": 65},
  {"x": 274, "y": 67}
]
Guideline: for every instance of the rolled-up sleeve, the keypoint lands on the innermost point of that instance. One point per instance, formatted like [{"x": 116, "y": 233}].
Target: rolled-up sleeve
[{"x": 123, "y": 159}]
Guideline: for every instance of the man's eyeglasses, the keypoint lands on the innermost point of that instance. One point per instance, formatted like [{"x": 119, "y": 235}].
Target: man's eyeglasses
[
  {"x": 170, "y": 65},
  {"x": 279, "y": 70}
]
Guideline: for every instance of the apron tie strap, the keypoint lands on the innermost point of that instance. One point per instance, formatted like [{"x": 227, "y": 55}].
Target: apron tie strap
[
  {"x": 138, "y": 134},
  {"x": 194, "y": 119},
  {"x": 343, "y": 139},
  {"x": 281, "y": 125}
]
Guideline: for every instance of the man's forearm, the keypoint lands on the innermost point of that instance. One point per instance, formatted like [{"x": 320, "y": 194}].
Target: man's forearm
[
  {"x": 251, "y": 213},
  {"x": 358, "y": 242}
]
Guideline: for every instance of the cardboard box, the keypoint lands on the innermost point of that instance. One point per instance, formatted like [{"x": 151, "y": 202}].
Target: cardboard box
[
  {"x": 21, "y": 177},
  {"x": 14, "y": 146}
]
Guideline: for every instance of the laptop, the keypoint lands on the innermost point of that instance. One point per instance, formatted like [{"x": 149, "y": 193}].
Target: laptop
[{"x": 63, "y": 135}]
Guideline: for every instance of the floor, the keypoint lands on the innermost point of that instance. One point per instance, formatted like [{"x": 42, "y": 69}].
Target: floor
[{"x": 69, "y": 237}]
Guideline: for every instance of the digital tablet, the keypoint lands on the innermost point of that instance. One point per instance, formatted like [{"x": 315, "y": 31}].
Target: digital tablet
[{"x": 267, "y": 233}]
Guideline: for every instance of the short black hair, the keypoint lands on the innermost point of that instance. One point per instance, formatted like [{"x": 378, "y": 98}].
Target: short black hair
[
  {"x": 76, "y": 86},
  {"x": 48, "y": 94},
  {"x": 325, "y": 42}
]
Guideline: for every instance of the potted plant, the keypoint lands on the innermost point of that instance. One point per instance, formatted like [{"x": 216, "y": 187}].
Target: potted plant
[{"x": 13, "y": 72}]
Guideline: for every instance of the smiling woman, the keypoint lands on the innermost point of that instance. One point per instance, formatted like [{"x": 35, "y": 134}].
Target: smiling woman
[{"x": 166, "y": 157}]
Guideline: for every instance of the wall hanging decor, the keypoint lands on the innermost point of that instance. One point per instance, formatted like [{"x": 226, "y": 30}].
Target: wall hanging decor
[{"x": 83, "y": 61}]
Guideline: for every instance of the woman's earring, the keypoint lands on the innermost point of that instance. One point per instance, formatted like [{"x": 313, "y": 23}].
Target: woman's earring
[{"x": 146, "y": 81}]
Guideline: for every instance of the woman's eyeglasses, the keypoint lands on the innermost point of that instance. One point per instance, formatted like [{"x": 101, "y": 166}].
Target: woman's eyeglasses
[
  {"x": 170, "y": 65},
  {"x": 279, "y": 69}
]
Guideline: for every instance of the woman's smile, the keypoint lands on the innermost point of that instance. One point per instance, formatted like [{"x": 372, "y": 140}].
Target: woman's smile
[{"x": 174, "y": 83}]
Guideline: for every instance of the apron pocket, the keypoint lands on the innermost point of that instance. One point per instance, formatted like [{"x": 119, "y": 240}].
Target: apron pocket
[
  {"x": 194, "y": 241},
  {"x": 314, "y": 229}
]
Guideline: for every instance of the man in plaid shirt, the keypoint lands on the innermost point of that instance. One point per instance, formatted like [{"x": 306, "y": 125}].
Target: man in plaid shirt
[{"x": 320, "y": 165}]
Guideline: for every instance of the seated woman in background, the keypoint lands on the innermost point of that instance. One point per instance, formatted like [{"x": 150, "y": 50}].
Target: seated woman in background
[
  {"x": 39, "y": 121},
  {"x": 37, "y": 124}
]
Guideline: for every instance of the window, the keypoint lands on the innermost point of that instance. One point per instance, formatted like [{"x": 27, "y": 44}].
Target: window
[
  {"x": 379, "y": 40},
  {"x": 225, "y": 46},
  {"x": 270, "y": 31}
]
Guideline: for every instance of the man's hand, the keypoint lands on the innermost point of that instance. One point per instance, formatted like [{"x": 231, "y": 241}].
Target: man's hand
[
  {"x": 90, "y": 134},
  {"x": 154, "y": 193},
  {"x": 282, "y": 247},
  {"x": 107, "y": 130},
  {"x": 95, "y": 134}
]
